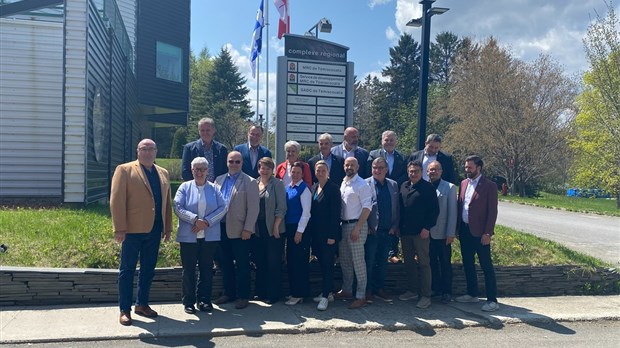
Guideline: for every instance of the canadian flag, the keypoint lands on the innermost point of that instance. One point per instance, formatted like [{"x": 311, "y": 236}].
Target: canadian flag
[{"x": 284, "y": 24}]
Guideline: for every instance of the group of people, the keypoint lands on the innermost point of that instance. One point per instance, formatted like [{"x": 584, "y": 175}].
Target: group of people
[{"x": 347, "y": 204}]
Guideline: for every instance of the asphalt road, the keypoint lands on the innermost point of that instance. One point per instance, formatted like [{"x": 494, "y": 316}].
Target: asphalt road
[
  {"x": 600, "y": 334},
  {"x": 591, "y": 234}
]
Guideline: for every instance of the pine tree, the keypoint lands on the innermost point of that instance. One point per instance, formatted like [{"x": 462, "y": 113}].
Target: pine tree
[{"x": 225, "y": 84}]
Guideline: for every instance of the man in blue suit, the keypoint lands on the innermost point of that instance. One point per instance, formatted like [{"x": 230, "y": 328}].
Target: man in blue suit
[
  {"x": 252, "y": 151},
  {"x": 206, "y": 147},
  {"x": 349, "y": 148}
]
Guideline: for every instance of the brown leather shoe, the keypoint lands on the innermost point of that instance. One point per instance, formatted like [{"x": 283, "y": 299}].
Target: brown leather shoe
[
  {"x": 241, "y": 303},
  {"x": 343, "y": 295},
  {"x": 383, "y": 295},
  {"x": 359, "y": 303},
  {"x": 125, "y": 318},
  {"x": 145, "y": 311}
]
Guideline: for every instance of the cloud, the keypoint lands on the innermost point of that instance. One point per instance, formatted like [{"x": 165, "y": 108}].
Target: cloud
[
  {"x": 373, "y": 3},
  {"x": 391, "y": 35}
]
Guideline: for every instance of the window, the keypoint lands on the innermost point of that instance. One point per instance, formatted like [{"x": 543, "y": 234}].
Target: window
[{"x": 169, "y": 62}]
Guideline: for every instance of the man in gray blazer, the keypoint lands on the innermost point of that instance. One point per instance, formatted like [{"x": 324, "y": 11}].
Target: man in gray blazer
[
  {"x": 240, "y": 192},
  {"x": 443, "y": 234},
  {"x": 382, "y": 223}
]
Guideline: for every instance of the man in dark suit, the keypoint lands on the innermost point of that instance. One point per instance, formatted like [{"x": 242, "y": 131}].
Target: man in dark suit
[
  {"x": 432, "y": 152},
  {"x": 397, "y": 167},
  {"x": 477, "y": 211},
  {"x": 334, "y": 163},
  {"x": 349, "y": 148},
  {"x": 252, "y": 151},
  {"x": 206, "y": 147}
]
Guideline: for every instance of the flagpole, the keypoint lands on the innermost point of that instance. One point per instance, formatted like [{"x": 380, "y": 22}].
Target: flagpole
[
  {"x": 257, "y": 85},
  {"x": 267, "y": 75}
]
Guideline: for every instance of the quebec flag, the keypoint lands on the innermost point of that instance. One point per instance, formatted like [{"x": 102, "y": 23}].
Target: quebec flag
[{"x": 257, "y": 38}]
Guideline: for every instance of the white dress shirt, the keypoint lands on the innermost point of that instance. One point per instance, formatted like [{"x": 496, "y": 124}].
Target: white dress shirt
[
  {"x": 469, "y": 193},
  {"x": 356, "y": 195}
]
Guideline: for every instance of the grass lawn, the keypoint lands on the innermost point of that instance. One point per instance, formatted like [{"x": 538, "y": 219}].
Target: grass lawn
[
  {"x": 82, "y": 238},
  {"x": 548, "y": 200}
]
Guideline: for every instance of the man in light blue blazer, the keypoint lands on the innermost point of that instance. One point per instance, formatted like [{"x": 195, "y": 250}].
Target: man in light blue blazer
[
  {"x": 443, "y": 234},
  {"x": 383, "y": 223},
  {"x": 240, "y": 191},
  {"x": 252, "y": 151}
]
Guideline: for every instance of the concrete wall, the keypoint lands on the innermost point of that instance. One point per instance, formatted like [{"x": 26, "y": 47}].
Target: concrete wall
[{"x": 34, "y": 286}]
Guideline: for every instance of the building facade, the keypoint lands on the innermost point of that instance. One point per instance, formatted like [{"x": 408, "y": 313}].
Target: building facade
[{"x": 82, "y": 81}]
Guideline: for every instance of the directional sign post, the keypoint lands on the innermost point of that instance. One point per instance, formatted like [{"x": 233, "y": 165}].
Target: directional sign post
[{"x": 315, "y": 91}]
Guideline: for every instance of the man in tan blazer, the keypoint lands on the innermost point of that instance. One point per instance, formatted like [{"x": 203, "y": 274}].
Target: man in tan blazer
[
  {"x": 141, "y": 215},
  {"x": 240, "y": 192}
]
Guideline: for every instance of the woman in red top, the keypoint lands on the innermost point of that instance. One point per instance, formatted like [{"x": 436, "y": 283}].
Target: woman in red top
[{"x": 283, "y": 170}]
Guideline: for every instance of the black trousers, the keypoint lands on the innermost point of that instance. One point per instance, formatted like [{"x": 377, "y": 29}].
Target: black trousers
[
  {"x": 297, "y": 258},
  {"x": 441, "y": 266},
  {"x": 235, "y": 265},
  {"x": 470, "y": 246},
  {"x": 326, "y": 255},
  {"x": 267, "y": 254},
  {"x": 200, "y": 253}
]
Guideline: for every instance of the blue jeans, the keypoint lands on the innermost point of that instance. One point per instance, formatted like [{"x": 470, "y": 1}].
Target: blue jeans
[
  {"x": 145, "y": 246},
  {"x": 376, "y": 252}
]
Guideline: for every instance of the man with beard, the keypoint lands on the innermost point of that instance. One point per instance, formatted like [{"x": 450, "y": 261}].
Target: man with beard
[
  {"x": 477, "y": 215},
  {"x": 432, "y": 152},
  {"x": 356, "y": 205}
]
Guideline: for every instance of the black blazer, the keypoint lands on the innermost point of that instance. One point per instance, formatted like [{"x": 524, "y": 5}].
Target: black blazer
[
  {"x": 324, "y": 221},
  {"x": 244, "y": 149},
  {"x": 194, "y": 149},
  {"x": 360, "y": 154},
  {"x": 447, "y": 165},
  {"x": 336, "y": 172},
  {"x": 399, "y": 170}
]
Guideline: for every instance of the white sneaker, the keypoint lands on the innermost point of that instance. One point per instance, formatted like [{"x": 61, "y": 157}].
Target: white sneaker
[
  {"x": 467, "y": 299},
  {"x": 323, "y": 303},
  {"x": 407, "y": 296},
  {"x": 424, "y": 302},
  {"x": 329, "y": 297},
  {"x": 490, "y": 306}
]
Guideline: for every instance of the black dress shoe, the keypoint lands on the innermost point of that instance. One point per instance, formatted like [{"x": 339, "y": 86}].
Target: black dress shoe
[
  {"x": 189, "y": 309},
  {"x": 205, "y": 307}
]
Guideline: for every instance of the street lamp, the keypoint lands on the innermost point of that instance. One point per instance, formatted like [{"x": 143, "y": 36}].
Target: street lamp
[
  {"x": 425, "y": 23},
  {"x": 324, "y": 26}
]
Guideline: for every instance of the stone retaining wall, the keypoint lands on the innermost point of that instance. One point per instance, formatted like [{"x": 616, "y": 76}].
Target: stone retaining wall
[{"x": 47, "y": 286}]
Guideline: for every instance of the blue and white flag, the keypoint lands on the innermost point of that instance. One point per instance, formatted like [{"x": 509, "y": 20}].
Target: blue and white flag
[{"x": 257, "y": 38}]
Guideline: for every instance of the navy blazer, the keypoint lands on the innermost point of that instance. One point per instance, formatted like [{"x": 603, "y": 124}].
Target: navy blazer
[
  {"x": 360, "y": 153},
  {"x": 399, "y": 169},
  {"x": 447, "y": 165},
  {"x": 244, "y": 149},
  {"x": 336, "y": 172},
  {"x": 194, "y": 149},
  {"x": 324, "y": 221}
]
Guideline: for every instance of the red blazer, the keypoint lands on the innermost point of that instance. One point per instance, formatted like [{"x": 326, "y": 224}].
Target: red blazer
[
  {"x": 307, "y": 177},
  {"x": 482, "y": 208}
]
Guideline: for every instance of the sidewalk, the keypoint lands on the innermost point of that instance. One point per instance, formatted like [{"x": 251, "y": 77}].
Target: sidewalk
[{"x": 84, "y": 323}]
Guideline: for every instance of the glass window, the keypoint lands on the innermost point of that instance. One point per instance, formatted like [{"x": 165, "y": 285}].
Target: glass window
[{"x": 169, "y": 62}]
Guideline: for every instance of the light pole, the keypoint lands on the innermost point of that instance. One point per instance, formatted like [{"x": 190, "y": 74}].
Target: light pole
[
  {"x": 425, "y": 23},
  {"x": 324, "y": 26}
]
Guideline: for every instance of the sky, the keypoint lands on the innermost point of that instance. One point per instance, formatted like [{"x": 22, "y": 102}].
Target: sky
[{"x": 528, "y": 28}]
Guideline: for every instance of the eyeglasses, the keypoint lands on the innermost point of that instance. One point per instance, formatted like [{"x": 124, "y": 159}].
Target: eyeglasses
[
  {"x": 378, "y": 168},
  {"x": 200, "y": 169},
  {"x": 147, "y": 149},
  {"x": 234, "y": 161}
]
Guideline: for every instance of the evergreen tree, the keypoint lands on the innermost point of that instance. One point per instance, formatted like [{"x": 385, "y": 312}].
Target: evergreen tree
[
  {"x": 225, "y": 84},
  {"x": 403, "y": 71},
  {"x": 443, "y": 53}
]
